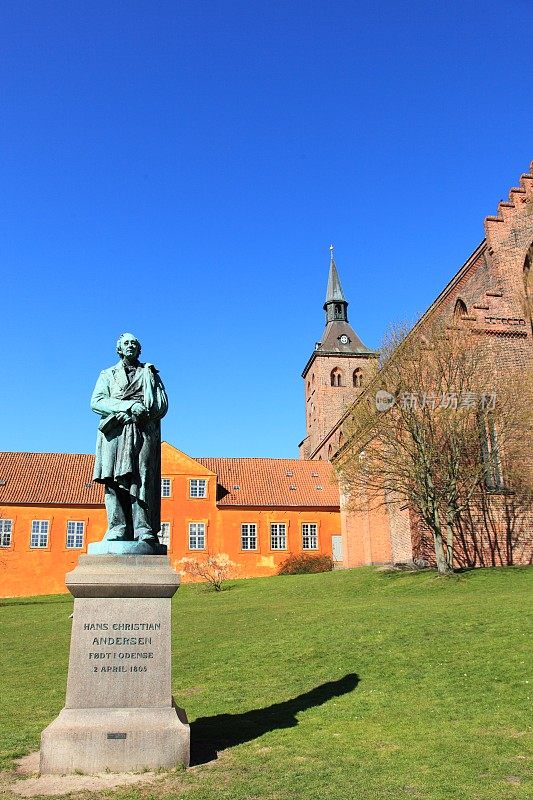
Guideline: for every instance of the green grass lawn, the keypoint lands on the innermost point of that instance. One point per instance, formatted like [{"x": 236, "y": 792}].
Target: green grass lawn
[{"x": 353, "y": 684}]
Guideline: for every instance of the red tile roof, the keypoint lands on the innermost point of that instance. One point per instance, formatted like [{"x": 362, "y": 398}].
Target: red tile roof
[
  {"x": 49, "y": 479},
  {"x": 66, "y": 479},
  {"x": 274, "y": 482}
]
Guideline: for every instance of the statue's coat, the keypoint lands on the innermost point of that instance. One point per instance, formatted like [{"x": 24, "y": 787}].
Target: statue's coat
[{"x": 129, "y": 456}]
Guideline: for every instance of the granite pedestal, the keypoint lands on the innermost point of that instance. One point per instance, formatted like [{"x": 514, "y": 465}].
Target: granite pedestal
[{"x": 119, "y": 713}]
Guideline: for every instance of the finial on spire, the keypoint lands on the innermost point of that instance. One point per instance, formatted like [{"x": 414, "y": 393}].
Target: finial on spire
[{"x": 331, "y": 249}]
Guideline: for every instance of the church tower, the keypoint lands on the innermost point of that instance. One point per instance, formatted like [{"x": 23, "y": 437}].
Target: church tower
[{"x": 338, "y": 370}]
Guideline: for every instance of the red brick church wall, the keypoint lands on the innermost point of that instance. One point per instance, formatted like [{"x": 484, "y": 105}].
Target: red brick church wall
[{"x": 491, "y": 285}]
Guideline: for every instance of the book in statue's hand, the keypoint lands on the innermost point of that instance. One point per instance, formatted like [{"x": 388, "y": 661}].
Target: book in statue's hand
[{"x": 110, "y": 425}]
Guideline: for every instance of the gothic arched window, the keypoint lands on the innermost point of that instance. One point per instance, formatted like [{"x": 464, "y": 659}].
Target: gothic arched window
[
  {"x": 490, "y": 452},
  {"x": 460, "y": 310},
  {"x": 337, "y": 377},
  {"x": 358, "y": 377}
]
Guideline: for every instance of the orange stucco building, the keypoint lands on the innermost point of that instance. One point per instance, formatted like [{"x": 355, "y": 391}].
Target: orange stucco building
[{"x": 254, "y": 510}]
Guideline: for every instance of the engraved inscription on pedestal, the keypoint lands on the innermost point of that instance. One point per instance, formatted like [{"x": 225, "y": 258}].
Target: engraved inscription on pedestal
[{"x": 120, "y": 660}]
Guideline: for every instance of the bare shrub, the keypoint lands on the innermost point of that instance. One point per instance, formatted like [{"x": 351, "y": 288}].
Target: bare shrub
[
  {"x": 213, "y": 568},
  {"x": 305, "y": 563}
]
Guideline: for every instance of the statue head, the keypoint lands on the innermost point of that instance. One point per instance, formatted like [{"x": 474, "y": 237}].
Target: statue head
[{"x": 126, "y": 344}]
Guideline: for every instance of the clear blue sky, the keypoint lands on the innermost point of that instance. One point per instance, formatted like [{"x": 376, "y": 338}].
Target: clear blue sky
[{"x": 179, "y": 169}]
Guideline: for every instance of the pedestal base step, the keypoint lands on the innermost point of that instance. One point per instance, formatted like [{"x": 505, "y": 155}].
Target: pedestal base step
[
  {"x": 93, "y": 740},
  {"x": 133, "y": 548}
]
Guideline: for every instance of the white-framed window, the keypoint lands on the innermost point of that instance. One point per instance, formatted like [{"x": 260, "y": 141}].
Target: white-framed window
[
  {"x": 248, "y": 536},
  {"x": 164, "y": 533},
  {"x": 196, "y": 535},
  {"x": 166, "y": 487},
  {"x": 309, "y": 536},
  {"x": 39, "y": 533},
  {"x": 75, "y": 534},
  {"x": 278, "y": 536},
  {"x": 6, "y": 532},
  {"x": 198, "y": 487}
]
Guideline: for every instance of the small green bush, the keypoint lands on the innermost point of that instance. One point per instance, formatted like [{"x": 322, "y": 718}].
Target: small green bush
[{"x": 305, "y": 563}]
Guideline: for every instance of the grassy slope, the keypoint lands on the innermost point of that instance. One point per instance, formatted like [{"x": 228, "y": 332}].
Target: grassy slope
[{"x": 355, "y": 684}]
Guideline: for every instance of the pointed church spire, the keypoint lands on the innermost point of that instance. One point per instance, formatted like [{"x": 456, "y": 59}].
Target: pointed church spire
[
  {"x": 334, "y": 291},
  {"x": 336, "y": 305}
]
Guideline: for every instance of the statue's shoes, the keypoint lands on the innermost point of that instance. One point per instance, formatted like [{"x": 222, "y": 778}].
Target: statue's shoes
[{"x": 151, "y": 540}]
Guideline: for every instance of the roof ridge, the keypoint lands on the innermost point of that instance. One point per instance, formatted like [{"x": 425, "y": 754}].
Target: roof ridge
[
  {"x": 41, "y": 453},
  {"x": 256, "y": 458}
]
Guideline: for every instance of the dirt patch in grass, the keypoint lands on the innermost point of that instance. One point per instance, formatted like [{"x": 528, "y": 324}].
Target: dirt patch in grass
[{"x": 31, "y": 784}]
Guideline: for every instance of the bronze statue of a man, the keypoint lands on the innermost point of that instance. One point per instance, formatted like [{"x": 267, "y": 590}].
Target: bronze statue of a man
[{"x": 131, "y": 399}]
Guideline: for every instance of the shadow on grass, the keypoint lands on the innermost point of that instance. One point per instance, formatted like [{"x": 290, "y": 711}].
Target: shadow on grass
[
  {"x": 209, "y": 735},
  {"x": 45, "y": 600}
]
